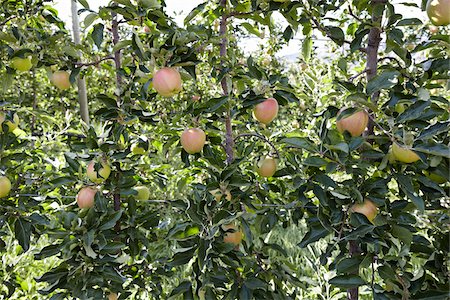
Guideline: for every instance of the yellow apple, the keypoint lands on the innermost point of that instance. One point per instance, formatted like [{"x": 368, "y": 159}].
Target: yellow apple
[
  {"x": 266, "y": 111},
  {"x": 219, "y": 194},
  {"x": 167, "y": 82},
  {"x": 101, "y": 175},
  {"x": 5, "y": 186},
  {"x": 266, "y": 166},
  {"x": 113, "y": 296},
  {"x": 367, "y": 208},
  {"x": 404, "y": 154},
  {"x": 193, "y": 140},
  {"x": 86, "y": 197},
  {"x": 355, "y": 124},
  {"x": 22, "y": 64},
  {"x": 136, "y": 149},
  {"x": 61, "y": 80},
  {"x": 143, "y": 193},
  {"x": 439, "y": 12}
]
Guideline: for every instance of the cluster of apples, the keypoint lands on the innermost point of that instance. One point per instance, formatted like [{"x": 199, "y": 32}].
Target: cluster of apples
[{"x": 59, "y": 78}]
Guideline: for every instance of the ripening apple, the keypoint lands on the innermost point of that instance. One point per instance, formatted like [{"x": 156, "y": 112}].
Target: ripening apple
[
  {"x": 11, "y": 126},
  {"x": 5, "y": 186},
  {"x": 404, "y": 154},
  {"x": 355, "y": 124},
  {"x": 146, "y": 29},
  {"x": 86, "y": 196},
  {"x": 367, "y": 208},
  {"x": 235, "y": 237},
  {"x": 266, "y": 166},
  {"x": 167, "y": 82},
  {"x": 439, "y": 12},
  {"x": 61, "y": 80},
  {"x": 113, "y": 296},
  {"x": 98, "y": 176},
  {"x": 143, "y": 193},
  {"x": 22, "y": 64},
  {"x": 195, "y": 98},
  {"x": 219, "y": 194},
  {"x": 266, "y": 111},
  {"x": 193, "y": 140}
]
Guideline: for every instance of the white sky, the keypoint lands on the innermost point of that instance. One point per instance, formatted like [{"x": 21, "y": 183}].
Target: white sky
[{"x": 180, "y": 8}]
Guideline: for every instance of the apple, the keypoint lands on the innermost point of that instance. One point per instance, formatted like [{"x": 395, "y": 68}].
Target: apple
[
  {"x": 266, "y": 166},
  {"x": 193, "y": 140},
  {"x": 113, "y": 296},
  {"x": 196, "y": 98},
  {"x": 61, "y": 80},
  {"x": 22, "y": 64},
  {"x": 101, "y": 175},
  {"x": 146, "y": 29},
  {"x": 86, "y": 196},
  {"x": 143, "y": 193},
  {"x": 367, "y": 208},
  {"x": 167, "y": 82},
  {"x": 404, "y": 154},
  {"x": 234, "y": 237},
  {"x": 355, "y": 124},
  {"x": 219, "y": 194},
  {"x": 439, "y": 12},
  {"x": 303, "y": 66},
  {"x": 12, "y": 126},
  {"x": 5, "y": 186},
  {"x": 136, "y": 149},
  {"x": 433, "y": 29},
  {"x": 266, "y": 111}
]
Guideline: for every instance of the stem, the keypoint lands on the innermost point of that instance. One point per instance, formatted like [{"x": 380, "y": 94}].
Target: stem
[
  {"x": 229, "y": 141},
  {"x": 94, "y": 63},
  {"x": 115, "y": 33},
  {"x": 260, "y": 137},
  {"x": 81, "y": 82}
]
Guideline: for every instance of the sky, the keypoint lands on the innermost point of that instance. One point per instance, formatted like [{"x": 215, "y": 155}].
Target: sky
[{"x": 180, "y": 8}]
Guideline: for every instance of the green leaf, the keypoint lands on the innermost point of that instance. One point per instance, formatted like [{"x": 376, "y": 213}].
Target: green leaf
[
  {"x": 255, "y": 283},
  {"x": 22, "y": 231},
  {"x": 314, "y": 234},
  {"x": 306, "y": 48},
  {"x": 385, "y": 80},
  {"x": 402, "y": 234},
  {"x": 111, "y": 221},
  {"x": 336, "y": 34},
  {"x": 347, "y": 281},
  {"x": 433, "y": 130},
  {"x": 90, "y": 18},
  {"x": 348, "y": 265},
  {"x": 434, "y": 149},
  {"x": 359, "y": 232},
  {"x": 409, "y": 22},
  {"x": 413, "y": 112},
  {"x": 386, "y": 272},
  {"x": 315, "y": 161},
  {"x": 406, "y": 186},
  {"x": 97, "y": 34},
  {"x": 300, "y": 142}
]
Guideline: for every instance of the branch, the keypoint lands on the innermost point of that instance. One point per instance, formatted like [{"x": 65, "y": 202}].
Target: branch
[
  {"x": 390, "y": 58},
  {"x": 94, "y": 63},
  {"x": 357, "y": 75},
  {"x": 260, "y": 137},
  {"x": 350, "y": 11},
  {"x": 7, "y": 20}
]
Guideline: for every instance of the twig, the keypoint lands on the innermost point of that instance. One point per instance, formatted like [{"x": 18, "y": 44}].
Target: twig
[
  {"x": 94, "y": 63},
  {"x": 353, "y": 15},
  {"x": 7, "y": 20},
  {"x": 260, "y": 137},
  {"x": 357, "y": 75},
  {"x": 382, "y": 129},
  {"x": 390, "y": 58}
]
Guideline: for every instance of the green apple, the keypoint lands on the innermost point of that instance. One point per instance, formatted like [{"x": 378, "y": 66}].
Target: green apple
[
  {"x": 5, "y": 186},
  {"x": 22, "y": 64},
  {"x": 143, "y": 193}
]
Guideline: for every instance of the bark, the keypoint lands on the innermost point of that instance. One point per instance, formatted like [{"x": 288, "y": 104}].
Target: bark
[{"x": 81, "y": 82}]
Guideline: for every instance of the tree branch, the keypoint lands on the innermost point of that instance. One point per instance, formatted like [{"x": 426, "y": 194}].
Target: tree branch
[
  {"x": 94, "y": 63},
  {"x": 7, "y": 20}
]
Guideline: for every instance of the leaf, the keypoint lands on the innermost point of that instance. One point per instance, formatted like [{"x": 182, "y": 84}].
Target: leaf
[
  {"x": 183, "y": 287},
  {"x": 314, "y": 234},
  {"x": 402, "y": 234},
  {"x": 255, "y": 283},
  {"x": 434, "y": 149},
  {"x": 306, "y": 48},
  {"x": 433, "y": 130},
  {"x": 407, "y": 187},
  {"x": 408, "y": 22},
  {"x": 300, "y": 142},
  {"x": 22, "y": 231},
  {"x": 347, "y": 281},
  {"x": 97, "y": 34},
  {"x": 315, "y": 161},
  {"x": 111, "y": 221},
  {"x": 385, "y": 80},
  {"x": 359, "y": 232},
  {"x": 348, "y": 265},
  {"x": 413, "y": 112},
  {"x": 89, "y": 19},
  {"x": 386, "y": 272},
  {"x": 336, "y": 34}
]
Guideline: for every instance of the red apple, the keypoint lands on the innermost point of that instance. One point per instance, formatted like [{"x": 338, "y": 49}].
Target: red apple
[
  {"x": 193, "y": 140},
  {"x": 266, "y": 166},
  {"x": 266, "y": 111},
  {"x": 367, "y": 208},
  {"x": 86, "y": 196},
  {"x": 61, "y": 80},
  {"x": 167, "y": 82},
  {"x": 235, "y": 237},
  {"x": 355, "y": 124}
]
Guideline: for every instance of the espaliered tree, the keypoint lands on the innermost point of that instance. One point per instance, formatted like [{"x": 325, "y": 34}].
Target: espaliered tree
[{"x": 199, "y": 158}]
